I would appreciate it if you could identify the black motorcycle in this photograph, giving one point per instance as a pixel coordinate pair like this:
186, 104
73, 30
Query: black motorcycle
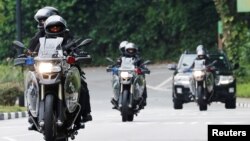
52, 87
129, 85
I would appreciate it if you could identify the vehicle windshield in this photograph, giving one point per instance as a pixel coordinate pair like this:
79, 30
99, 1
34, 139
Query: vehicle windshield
222, 63
186, 61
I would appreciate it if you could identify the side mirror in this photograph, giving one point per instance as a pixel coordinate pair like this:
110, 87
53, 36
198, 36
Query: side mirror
172, 66
109, 59
18, 45
146, 62
85, 42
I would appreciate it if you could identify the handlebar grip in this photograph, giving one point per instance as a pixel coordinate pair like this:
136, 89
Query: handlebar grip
108, 69
86, 59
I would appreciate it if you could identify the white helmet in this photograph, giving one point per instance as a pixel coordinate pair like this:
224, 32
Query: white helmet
122, 46
200, 51
131, 49
55, 25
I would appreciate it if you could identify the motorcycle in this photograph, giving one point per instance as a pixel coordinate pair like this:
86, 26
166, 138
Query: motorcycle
52, 86
202, 83
129, 85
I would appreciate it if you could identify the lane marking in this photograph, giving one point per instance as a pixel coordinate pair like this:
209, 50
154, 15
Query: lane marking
8, 138
158, 89
164, 82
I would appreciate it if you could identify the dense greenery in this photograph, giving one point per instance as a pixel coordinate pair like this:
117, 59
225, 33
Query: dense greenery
11, 83
161, 28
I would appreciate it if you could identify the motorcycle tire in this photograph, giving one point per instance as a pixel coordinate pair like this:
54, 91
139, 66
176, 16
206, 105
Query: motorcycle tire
49, 119
65, 139
201, 102
126, 116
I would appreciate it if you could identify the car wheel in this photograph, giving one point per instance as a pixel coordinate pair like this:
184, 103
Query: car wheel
177, 104
230, 103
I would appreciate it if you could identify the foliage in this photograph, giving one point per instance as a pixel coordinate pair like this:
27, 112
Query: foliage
9, 93
4, 109
243, 90
11, 83
235, 34
162, 29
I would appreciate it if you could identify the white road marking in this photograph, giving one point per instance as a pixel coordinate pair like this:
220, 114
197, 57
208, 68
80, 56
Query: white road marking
164, 82
8, 139
158, 89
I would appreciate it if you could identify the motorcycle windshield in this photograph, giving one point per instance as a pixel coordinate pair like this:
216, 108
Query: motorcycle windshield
199, 65
127, 64
50, 47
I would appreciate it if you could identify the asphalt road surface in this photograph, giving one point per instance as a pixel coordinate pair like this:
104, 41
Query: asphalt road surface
157, 122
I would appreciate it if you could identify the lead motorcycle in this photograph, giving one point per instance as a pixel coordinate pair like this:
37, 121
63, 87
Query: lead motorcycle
202, 83
52, 87
129, 86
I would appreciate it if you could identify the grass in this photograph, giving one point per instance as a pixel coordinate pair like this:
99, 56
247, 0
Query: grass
12, 109
243, 90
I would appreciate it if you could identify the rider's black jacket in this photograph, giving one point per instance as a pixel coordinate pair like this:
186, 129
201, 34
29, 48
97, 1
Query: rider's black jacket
34, 42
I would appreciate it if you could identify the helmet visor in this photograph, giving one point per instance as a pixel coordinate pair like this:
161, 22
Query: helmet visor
55, 29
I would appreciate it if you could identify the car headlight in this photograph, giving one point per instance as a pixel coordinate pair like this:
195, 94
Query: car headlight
184, 80
225, 79
48, 68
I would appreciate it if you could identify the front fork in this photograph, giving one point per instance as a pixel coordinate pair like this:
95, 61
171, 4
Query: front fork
130, 96
203, 83
59, 106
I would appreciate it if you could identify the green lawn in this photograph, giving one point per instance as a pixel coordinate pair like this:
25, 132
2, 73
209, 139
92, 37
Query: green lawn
12, 109
243, 90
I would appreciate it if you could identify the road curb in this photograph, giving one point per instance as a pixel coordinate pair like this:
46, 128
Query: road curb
13, 115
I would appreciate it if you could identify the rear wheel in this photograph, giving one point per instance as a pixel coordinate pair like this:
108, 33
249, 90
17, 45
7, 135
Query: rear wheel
201, 101
177, 104
49, 119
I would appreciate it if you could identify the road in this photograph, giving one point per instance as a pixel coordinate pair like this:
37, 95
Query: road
157, 122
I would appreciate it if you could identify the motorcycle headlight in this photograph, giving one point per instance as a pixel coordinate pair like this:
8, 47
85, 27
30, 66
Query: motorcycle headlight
48, 68
199, 75
225, 79
124, 74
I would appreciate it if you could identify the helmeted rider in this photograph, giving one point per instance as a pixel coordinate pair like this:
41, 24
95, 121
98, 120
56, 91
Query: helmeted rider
201, 55
122, 47
55, 26
41, 16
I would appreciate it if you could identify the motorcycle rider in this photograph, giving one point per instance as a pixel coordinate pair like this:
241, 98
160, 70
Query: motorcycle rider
201, 55
41, 17
122, 47
55, 26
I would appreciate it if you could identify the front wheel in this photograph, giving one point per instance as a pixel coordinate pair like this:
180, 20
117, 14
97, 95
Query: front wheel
64, 139
201, 101
125, 111
49, 119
